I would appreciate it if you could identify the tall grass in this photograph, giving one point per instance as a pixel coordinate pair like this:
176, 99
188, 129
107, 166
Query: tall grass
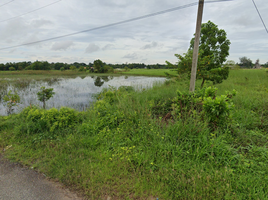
122, 149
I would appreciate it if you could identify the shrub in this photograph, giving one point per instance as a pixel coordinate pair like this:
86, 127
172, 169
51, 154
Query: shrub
50, 122
11, 100
203, 103
45, 94
217, 108
126, 69
81, 69
72, 68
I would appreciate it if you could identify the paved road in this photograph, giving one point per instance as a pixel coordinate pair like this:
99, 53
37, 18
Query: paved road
19, 183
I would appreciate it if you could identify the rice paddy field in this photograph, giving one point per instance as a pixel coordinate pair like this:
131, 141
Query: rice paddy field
76, 92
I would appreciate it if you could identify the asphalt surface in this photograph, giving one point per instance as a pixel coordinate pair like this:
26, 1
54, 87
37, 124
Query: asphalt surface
20, 183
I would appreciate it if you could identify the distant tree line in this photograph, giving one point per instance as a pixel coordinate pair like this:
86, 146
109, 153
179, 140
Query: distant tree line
247, 63
97, 64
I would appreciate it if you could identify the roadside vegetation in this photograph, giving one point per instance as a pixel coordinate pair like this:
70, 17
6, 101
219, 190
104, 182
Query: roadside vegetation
157, 143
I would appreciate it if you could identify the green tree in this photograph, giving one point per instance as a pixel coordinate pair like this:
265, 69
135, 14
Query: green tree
39, 65
265, 65
98, 66
73, 68
213, 51
126, 69
245, 62
11, 100
45, 94
81, 69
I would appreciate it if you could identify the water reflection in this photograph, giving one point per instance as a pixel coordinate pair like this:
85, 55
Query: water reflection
51, 81
98, 82
72, 92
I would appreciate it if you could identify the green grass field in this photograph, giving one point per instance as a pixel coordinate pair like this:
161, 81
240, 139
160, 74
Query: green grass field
148, 72
134, 145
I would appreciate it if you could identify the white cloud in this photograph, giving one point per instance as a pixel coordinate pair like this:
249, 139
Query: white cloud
160, 37
63, 45
150, 46
107, 47
40, 22
131, 56
92, 48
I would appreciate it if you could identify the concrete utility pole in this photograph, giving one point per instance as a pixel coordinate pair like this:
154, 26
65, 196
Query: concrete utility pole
196, 44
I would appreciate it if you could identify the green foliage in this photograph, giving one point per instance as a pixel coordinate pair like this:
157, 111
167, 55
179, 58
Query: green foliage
73, 68
111, 94
45, 94
217, 108
245, 62
108, 69
47, 123
98, 66
12, 69
126, 69
11, 100
62, 69
202, 104
81, 69
214, 43
204, 69
38, 65
213, 51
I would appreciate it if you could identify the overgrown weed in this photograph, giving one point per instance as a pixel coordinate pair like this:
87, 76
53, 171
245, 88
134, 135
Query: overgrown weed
121, 148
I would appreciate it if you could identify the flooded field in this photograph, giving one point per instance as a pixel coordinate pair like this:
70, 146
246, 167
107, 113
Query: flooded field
76, 92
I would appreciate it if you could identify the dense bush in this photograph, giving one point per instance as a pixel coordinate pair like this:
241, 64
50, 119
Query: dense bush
203, 104
49, 123
11, 100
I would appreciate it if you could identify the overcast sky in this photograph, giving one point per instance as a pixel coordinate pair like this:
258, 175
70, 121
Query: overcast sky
151, 40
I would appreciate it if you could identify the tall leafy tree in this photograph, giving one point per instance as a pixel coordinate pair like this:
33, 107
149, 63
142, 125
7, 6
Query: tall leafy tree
213, 51
245, 62
99, 66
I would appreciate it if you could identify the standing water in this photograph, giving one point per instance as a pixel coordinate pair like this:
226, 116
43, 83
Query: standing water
70, 92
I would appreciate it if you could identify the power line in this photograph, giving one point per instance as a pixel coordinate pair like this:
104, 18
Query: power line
260, 15
6, 3
30, 11
113, 24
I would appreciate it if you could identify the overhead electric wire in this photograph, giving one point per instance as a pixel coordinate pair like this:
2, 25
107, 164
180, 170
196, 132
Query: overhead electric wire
113, 24
30, 11
260, 16
6, 3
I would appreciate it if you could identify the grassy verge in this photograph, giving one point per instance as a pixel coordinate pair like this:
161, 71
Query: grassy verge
124, 149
